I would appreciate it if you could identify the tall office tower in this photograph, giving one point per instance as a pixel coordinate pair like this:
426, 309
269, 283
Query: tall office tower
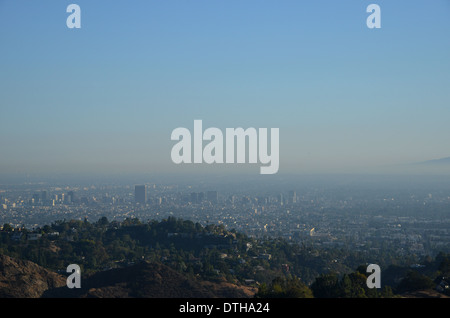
292, 197
44, 196
194, 197
280, 199
71, 196
140, 194
212, 196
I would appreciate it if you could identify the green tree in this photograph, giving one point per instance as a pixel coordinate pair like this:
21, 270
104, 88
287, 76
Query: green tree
326, 286
358, 285
284, 288
414, 281
103, 221
7, 227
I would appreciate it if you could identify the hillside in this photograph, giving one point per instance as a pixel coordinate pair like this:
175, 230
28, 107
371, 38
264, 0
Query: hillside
25, 279
428, 293
182, 259
149, 280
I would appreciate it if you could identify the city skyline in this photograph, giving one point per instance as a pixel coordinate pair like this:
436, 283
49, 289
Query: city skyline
105, 98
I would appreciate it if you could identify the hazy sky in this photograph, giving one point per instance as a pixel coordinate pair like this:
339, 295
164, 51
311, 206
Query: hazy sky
107, 96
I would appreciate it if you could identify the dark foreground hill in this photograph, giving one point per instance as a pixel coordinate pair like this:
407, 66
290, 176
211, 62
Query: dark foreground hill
24, 279
429, 293
148, 280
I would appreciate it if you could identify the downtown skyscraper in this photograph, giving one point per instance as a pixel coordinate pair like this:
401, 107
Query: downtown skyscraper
140, 194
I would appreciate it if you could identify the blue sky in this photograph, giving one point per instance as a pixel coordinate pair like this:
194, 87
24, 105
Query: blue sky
107, 96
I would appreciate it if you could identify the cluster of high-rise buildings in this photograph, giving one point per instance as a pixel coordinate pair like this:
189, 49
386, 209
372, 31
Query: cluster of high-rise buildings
140, 196
42, 198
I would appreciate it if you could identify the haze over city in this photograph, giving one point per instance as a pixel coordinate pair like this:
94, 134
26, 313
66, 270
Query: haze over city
105, 98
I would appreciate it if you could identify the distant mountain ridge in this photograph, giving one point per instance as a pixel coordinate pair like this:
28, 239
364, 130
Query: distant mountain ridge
441, 161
